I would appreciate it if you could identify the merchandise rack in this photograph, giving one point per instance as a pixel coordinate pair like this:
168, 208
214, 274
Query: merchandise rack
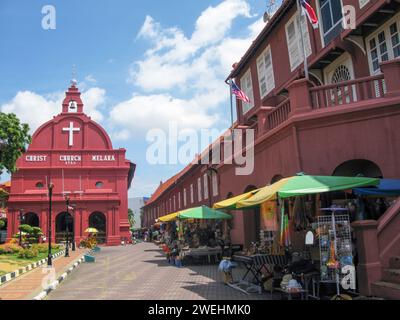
336, 228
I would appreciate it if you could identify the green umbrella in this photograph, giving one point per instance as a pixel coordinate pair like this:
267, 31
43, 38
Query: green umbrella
306, 184
203, 212
302, 184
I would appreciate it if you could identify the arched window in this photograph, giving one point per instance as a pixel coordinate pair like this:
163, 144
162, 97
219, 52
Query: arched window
99, 184
39, 185
358, 167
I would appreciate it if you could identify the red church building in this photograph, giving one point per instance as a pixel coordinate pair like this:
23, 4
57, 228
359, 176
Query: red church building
76, 155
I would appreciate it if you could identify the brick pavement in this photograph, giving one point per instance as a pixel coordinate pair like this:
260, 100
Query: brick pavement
141, 272
28, 285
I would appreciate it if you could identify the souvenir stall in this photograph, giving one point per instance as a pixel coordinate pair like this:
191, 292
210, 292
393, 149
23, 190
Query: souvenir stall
290, 212
200, 236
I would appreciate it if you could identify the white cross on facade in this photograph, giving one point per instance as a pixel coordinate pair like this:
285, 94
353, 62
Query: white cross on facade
71, 131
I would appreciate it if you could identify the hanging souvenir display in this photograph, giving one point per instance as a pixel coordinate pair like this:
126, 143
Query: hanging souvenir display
332, 262
285, 232
334, 237
268, 216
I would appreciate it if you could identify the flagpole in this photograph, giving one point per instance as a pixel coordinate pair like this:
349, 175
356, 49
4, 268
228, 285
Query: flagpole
230, 96
302, 39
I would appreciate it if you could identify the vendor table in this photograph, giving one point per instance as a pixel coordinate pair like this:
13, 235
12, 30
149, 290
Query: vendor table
202, 252
255, 263
313, 279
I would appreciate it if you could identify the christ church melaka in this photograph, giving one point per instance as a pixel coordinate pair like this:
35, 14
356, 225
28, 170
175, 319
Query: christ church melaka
75, 154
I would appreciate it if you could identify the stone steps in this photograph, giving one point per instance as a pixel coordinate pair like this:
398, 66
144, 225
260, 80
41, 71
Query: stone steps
391, 275
387, 290
394, 262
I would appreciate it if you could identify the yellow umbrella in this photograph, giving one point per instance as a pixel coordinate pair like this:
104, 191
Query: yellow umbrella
91, 230
169, 217
231, 203
266, 193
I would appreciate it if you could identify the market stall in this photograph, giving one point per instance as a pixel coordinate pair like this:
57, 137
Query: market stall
199, 236
289, 209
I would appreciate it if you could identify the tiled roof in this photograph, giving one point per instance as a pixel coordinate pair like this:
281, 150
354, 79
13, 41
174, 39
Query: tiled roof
165, 185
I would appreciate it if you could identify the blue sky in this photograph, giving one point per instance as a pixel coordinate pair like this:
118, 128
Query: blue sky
140, 65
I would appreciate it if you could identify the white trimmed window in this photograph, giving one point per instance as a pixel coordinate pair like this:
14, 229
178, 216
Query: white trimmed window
331, 19
383, 44
191, 193
199, 194
294, 41
362, 3
184, 197
205, 182
246, 85
214, 179
179, 200
174, 203
265, 72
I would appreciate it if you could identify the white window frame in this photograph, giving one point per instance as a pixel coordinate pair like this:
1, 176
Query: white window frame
388, 39
265, 73
184, 197
321, 26
199, 194
362, 3
205, 182
214, 179
179, 200
247, 106
297, 59
191, 193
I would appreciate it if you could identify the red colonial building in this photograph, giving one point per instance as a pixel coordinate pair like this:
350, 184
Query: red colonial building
342, 120
75, 154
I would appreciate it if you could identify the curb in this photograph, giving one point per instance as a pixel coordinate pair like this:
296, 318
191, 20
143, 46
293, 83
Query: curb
12, 275
61, 278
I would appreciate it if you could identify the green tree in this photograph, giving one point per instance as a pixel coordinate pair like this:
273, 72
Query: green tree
131, 217
14, 137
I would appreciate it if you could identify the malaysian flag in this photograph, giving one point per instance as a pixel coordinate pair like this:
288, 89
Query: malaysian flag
239, 93
309, 11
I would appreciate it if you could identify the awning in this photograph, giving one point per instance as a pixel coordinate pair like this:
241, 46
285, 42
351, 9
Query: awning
306, 184
203, 212
231, 203
169, 217
266, 193
385, 188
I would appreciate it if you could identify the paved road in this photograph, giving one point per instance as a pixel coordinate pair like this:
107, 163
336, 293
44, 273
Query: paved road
141, 272
28, 285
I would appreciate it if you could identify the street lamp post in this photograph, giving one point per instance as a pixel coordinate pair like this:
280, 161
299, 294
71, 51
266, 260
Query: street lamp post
67, 221
21, 218
73, 226
50, 188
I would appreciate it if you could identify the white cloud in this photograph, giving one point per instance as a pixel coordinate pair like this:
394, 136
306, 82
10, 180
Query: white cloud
93, 99
181, 77
89, 78
44, 107
27, 103
142, 112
